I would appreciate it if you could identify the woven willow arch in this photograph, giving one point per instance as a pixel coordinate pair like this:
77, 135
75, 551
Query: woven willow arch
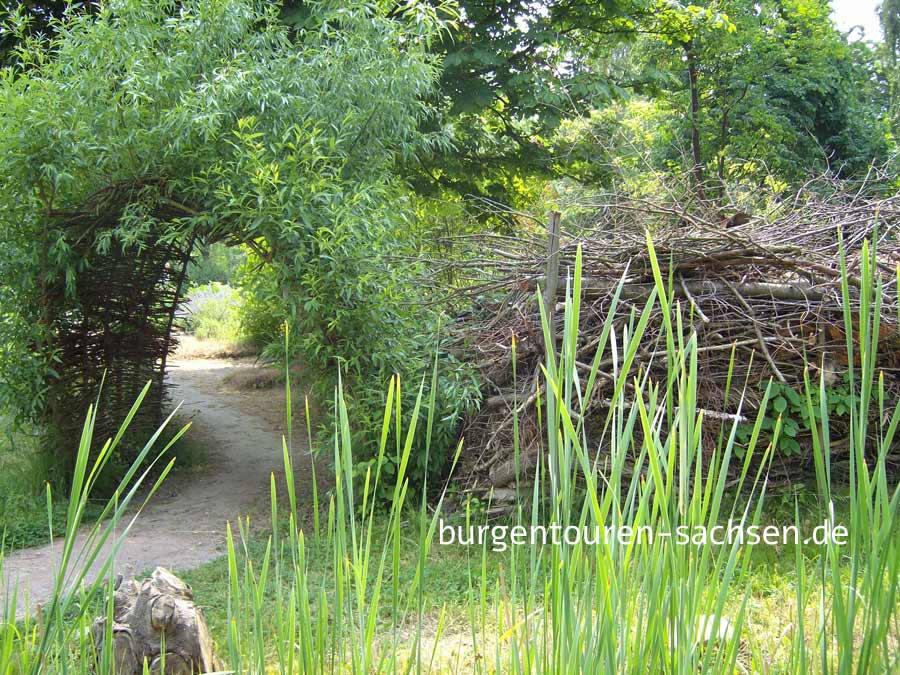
111, 321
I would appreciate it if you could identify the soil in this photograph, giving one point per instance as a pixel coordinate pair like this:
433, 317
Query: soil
183, 525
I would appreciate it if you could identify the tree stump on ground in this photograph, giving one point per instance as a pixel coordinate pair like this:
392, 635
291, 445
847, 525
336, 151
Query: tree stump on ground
147, 613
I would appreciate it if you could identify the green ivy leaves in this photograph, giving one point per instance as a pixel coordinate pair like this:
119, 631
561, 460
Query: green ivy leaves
790, 405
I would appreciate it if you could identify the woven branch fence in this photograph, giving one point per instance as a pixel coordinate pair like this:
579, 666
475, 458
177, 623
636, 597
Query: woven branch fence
111, 320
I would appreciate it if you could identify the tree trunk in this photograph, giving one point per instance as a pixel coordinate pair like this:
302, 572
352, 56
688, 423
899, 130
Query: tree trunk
145, 613
696, 153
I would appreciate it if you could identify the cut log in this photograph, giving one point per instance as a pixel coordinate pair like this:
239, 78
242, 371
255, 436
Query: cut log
147, 612
504, 473
794, 292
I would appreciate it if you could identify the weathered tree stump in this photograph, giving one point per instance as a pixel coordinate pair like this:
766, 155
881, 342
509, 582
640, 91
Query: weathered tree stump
147, 613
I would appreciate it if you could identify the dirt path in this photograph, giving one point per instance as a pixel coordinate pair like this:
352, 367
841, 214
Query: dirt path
183, 526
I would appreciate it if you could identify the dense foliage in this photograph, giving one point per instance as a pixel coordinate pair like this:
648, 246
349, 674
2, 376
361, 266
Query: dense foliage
730, 90
283, 140
357, 169
216, 263
333, 142
781, 93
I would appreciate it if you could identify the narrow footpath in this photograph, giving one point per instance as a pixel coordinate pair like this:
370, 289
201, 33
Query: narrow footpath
183, 525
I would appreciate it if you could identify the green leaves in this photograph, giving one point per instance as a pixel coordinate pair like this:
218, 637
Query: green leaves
788, 405
285, 140
781, 92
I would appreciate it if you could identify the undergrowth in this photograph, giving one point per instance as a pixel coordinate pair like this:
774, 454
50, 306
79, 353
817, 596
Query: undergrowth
25, 472
361, 590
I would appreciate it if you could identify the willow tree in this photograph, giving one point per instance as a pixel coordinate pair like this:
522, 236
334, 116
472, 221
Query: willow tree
210, 120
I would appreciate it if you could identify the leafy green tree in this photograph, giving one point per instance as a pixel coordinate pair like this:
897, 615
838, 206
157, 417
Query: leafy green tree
513, 71
889, 14
736, 92
780, 92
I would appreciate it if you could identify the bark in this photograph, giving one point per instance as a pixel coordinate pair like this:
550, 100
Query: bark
795, 292
696, 153
504, 473
145, 613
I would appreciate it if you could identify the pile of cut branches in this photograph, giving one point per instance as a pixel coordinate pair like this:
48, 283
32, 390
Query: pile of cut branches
767, 290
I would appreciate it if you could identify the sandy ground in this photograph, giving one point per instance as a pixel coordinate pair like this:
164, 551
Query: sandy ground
183, 525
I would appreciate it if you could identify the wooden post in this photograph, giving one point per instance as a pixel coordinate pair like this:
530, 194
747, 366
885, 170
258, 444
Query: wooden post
551, 278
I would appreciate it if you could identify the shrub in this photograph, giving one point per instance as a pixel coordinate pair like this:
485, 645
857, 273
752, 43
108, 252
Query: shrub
356, 310
261, 310
217, 121
213, 312
786, 409
217, 262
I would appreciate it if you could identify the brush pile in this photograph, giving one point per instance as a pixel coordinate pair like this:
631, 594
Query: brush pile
766, 288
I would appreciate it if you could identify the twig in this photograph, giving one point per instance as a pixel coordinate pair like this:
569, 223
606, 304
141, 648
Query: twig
694, 303
759, 335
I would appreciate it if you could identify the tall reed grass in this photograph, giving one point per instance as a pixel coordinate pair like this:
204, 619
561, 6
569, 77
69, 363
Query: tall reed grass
607, 607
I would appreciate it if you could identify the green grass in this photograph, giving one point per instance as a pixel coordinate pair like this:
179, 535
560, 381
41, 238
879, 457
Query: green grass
369, 591
24, 474
447, 570
451, 587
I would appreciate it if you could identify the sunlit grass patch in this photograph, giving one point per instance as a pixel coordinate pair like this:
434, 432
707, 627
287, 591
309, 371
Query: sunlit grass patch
191, 347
